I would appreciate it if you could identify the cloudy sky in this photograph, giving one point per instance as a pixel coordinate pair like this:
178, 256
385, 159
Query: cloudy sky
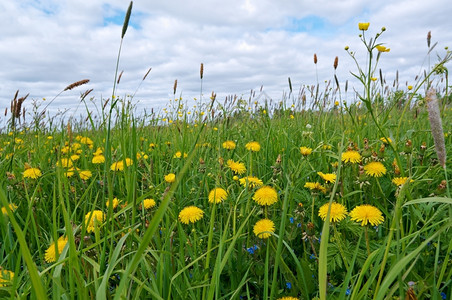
46, 45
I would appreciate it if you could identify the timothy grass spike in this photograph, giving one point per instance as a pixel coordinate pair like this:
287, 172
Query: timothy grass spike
126, 20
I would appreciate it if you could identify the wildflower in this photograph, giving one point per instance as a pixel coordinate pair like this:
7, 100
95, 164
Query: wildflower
305, 151
33, 173
119, 165
337, 212
86, 141
235, 177
229, 145
367, 214
315, 186
236, 167
351, 156
50, 255
92, 219
328, 177
398, 181
375, 169
250, 181
178, 154
12, 207
65, 163
382, 48
363, 26
190, 214
252, 249
253, 146
217, 195
114, 203
336, 103
171, 177
148, 203
266, 195
386, 141
98, 159
6, 277
264, 228
85, 175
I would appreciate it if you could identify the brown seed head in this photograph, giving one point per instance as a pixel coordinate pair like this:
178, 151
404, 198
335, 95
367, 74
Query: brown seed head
201, 70
336, 61
175, 87
315, 58
76, 84
429, 38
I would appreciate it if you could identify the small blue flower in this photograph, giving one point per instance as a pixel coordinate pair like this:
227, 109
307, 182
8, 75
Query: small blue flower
312, 256
291, 220
443, 295
288, 285
299, 225
250, 250
348, 292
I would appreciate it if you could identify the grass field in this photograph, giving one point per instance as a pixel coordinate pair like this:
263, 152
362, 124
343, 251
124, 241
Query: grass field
307, 198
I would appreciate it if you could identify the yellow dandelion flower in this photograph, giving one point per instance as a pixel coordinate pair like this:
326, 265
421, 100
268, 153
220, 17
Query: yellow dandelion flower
250, 181
315, 187
114, 201
51, 254
264, 228
12, 207
98, 151
6, 277
398, 181
363, 26
253, 146
229, 145
367, 214
190, 214
351, 156
33, 173
178, 154
171, 177
266, 195
386, 141
236, 167
94, 218
65, 163
85, 175
86, 141
287, 298
217, 195
75, 157
305, 151
382, 48
328, 177
375, 169
148, 203
98, 159
338, 212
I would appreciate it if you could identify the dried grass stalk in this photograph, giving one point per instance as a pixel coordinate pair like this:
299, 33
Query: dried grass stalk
76, 84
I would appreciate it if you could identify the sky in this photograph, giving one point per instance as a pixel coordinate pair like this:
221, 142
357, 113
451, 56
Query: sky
244, 45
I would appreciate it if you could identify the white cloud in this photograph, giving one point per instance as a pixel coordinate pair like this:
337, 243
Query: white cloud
46, 45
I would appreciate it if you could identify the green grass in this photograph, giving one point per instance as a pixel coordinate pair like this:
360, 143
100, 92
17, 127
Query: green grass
141, 253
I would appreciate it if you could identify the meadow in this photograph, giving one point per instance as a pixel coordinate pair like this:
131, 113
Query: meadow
307, 197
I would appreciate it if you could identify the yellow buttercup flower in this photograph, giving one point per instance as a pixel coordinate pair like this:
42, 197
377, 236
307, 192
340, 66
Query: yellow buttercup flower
253, 146
51, 254
367, 214
375, 169
338, 212
363, 26
305, 151
217, 195
171, 177
382, 48
190, 214
264, 228
266, 195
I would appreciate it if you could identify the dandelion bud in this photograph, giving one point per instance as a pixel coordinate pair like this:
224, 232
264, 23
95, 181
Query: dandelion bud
336, 61
315, 58
436, 125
